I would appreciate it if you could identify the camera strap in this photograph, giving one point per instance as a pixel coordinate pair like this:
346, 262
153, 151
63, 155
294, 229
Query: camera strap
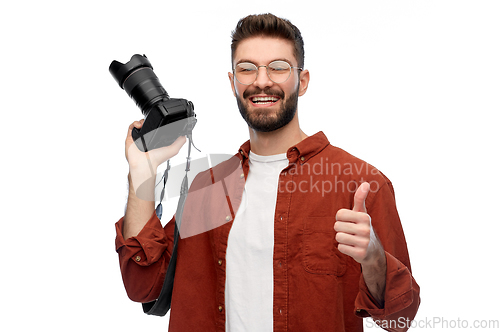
161, 305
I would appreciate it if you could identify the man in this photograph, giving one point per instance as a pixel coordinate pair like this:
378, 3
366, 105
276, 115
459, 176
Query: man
316, 242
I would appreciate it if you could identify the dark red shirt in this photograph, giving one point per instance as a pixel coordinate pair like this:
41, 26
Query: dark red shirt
316, 288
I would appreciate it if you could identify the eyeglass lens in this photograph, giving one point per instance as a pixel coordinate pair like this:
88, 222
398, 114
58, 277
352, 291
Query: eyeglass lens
278, 71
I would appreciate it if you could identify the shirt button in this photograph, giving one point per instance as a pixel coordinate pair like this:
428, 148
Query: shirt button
302, 158
228, 218
220, 308
242, 153
220, 262
242, 175
137, 258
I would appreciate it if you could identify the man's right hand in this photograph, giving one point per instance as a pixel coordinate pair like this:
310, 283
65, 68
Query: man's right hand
143, 165
143, 161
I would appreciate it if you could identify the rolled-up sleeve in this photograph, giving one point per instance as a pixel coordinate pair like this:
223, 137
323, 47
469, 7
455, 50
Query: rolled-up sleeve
144, 258
402, 298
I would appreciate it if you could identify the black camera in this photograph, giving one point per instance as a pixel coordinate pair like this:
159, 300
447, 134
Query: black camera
165, 118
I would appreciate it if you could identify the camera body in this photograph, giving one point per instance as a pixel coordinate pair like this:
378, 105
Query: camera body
165, 118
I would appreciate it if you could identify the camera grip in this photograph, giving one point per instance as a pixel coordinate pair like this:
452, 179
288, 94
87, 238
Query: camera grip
139, 140
136, 134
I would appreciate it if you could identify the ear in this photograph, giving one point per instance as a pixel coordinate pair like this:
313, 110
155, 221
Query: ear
304, 82
231, 80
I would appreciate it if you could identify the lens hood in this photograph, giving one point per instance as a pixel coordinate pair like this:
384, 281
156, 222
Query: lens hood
121, 72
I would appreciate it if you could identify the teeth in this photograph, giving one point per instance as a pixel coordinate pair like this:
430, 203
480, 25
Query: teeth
264, 99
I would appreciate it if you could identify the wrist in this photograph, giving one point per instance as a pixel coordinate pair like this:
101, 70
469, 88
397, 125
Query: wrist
142, 184
376, 257
377, 262
142, 170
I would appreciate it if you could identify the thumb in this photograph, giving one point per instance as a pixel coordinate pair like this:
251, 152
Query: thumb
360, 197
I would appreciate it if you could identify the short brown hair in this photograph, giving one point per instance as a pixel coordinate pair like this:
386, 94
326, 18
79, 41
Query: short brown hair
268, 25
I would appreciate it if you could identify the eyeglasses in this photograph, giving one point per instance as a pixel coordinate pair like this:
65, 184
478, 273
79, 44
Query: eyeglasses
278, 71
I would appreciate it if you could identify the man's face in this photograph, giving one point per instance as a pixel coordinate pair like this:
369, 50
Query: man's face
267, 106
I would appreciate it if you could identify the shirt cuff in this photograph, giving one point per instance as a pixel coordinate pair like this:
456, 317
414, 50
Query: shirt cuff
400, 292
147, 247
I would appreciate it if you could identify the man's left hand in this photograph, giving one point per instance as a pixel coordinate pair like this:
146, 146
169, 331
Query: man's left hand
355, 234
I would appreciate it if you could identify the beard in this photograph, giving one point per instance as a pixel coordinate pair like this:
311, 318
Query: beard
261, 119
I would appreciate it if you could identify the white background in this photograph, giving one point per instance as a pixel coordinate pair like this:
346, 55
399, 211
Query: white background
412, 87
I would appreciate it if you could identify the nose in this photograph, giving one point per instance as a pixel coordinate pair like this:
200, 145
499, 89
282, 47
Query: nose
263, 80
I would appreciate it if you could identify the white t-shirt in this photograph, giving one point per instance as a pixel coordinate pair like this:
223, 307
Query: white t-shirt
249, 255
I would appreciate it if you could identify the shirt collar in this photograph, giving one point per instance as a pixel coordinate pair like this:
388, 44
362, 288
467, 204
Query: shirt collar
300, 152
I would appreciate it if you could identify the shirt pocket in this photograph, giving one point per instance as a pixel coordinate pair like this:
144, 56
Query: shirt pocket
319, 247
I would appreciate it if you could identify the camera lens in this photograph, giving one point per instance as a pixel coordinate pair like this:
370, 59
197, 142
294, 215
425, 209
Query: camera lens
137, 78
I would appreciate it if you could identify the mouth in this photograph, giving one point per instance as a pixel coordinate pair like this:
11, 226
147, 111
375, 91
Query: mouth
263, 101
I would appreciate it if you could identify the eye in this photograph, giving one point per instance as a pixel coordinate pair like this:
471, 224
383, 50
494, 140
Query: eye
279, 66
245, 68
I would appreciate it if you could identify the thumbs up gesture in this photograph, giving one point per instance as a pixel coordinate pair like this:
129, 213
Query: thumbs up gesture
355, 234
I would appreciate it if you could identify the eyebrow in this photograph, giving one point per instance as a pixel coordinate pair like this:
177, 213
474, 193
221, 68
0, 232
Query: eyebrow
279, 59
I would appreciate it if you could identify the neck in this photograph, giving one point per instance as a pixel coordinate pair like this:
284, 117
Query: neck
278, 141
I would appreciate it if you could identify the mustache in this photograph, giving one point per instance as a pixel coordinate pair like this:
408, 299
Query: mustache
268, 91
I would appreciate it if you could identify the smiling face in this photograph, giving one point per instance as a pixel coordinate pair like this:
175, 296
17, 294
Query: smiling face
265, 105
